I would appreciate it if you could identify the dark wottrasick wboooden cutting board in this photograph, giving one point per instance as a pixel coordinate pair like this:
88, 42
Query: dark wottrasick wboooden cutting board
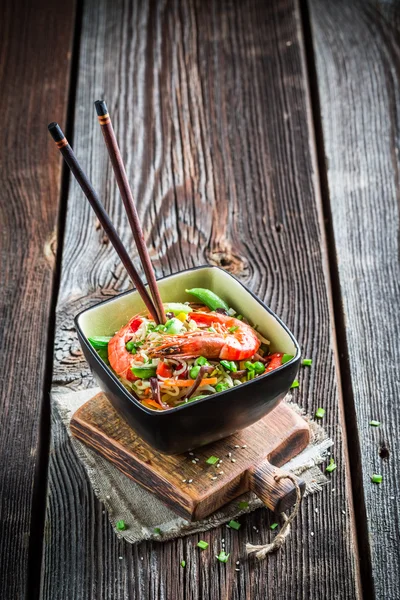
196, 489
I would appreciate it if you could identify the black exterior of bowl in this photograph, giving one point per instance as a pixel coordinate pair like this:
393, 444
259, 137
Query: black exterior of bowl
196, 423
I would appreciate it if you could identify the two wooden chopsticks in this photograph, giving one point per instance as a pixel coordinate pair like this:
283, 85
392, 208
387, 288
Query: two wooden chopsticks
153, 304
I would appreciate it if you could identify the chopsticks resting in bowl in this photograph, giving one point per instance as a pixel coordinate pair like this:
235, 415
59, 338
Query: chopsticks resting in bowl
90, 193
130, 208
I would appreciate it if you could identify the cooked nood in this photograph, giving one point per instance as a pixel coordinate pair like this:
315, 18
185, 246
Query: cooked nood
203, 348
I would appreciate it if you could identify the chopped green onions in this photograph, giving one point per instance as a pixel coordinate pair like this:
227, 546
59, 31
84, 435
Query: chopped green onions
374, 423
243, 504
221, 387
160, 327
239, 317
259, 367
319, 413
194, 371
183, 564
286, 358
157, 530
375, 478
331, 467
295, 384
212, 460
233, 329
120, 525
201, 360
234, 525
212, 329
230, 365
307, 362
203, 545
222, 556
273, 526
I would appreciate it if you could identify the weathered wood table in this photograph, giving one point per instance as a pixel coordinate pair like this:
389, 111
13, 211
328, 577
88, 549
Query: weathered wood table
259, 136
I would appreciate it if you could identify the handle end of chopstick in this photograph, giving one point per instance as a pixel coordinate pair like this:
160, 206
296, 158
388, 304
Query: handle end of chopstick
57, 135
102, 112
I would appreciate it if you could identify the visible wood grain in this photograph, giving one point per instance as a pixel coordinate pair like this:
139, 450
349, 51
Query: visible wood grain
210, 104
278, 437
357, 49
34, 74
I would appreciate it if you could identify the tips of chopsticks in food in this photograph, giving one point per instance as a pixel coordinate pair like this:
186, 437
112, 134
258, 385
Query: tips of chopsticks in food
130, 208
90, 193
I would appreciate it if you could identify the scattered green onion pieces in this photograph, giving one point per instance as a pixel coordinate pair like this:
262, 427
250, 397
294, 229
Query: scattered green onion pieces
201, 360
307, 362
221, 387
331, 467
273, 526
99, 341
208, 298
243, 504
248, 365
222, 556
212, 329
375, 478
157, 530
120, 525
183, 563
295, 384
234, 525
233, 329
161, 327
239, 317
194, 371
319, 413
230, 365
212, 460
144, 372
203, 545
375, 423
286, 358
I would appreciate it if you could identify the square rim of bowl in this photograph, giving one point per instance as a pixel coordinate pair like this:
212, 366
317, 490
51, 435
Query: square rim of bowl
158, 413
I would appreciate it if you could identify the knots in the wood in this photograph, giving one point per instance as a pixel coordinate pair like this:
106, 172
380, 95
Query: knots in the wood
261, 551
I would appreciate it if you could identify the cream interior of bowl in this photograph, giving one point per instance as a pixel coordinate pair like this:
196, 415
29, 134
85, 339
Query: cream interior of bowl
107, 318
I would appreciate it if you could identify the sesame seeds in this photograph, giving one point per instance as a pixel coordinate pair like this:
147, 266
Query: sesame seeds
233, 460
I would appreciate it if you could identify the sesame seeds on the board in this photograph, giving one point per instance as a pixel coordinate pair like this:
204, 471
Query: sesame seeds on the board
191, 453
233, 460
194, 462
229, 454
183, 480
236, 446
190, 481
245, 446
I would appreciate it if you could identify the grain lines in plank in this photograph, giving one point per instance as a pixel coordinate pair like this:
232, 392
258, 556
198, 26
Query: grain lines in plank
209, 103
357, 52
34, 73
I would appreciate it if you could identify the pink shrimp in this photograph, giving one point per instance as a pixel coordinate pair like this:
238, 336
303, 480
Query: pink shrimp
231, 340
120, 359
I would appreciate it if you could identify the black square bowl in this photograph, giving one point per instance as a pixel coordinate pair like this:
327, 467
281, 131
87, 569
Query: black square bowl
217, 416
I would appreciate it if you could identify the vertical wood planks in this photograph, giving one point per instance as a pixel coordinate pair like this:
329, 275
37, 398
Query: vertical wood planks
35, 49
357, 50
